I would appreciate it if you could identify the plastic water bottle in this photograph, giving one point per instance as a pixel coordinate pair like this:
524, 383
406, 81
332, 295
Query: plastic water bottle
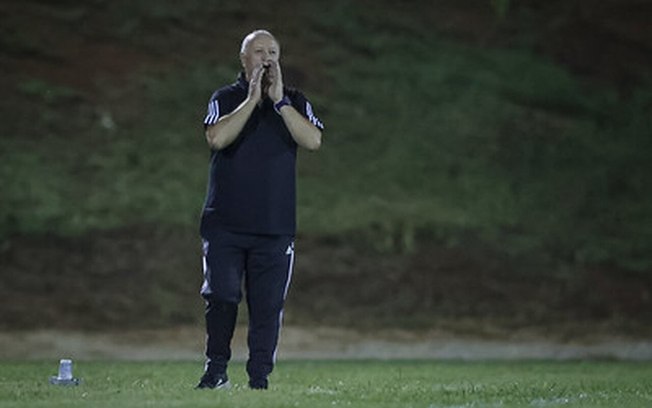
65, 374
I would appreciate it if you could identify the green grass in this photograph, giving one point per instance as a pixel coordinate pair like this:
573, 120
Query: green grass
426, 384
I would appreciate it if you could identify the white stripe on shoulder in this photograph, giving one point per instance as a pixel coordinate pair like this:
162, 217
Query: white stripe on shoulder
213, 113
312, 118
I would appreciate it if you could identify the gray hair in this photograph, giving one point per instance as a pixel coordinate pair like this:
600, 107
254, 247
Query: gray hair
250, 37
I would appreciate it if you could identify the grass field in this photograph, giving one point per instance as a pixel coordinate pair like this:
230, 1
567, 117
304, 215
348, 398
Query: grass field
426, 384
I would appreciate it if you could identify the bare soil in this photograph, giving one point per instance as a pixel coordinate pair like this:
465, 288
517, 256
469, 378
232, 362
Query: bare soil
186, 343
149, 277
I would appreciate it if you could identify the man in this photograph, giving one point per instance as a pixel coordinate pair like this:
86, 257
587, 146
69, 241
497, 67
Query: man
253, 127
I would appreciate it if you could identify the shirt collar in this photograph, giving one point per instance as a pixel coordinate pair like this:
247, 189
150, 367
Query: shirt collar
242, 81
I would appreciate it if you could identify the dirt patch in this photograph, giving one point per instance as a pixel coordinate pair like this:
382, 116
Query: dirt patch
55, 45
149, 277
79, 45
608, 42
186, 343
468, 288
140, 277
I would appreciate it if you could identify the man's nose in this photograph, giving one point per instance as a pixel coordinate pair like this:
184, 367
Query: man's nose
268, 56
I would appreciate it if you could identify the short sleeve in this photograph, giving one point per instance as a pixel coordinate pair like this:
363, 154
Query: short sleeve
301, 103
213, 112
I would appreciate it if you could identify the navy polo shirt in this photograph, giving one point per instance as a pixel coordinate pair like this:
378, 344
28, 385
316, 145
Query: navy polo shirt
251, 182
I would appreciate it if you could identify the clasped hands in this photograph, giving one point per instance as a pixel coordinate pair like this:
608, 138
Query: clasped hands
266, 80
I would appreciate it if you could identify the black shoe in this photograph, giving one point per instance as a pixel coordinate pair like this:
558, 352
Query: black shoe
213, 381
260, 384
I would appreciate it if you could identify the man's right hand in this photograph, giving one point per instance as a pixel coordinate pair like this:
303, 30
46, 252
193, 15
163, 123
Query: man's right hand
255, 84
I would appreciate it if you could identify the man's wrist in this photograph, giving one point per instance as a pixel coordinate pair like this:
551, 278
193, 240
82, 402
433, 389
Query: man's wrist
283, 102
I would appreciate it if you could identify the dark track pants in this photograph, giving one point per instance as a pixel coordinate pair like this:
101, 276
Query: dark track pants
265, 264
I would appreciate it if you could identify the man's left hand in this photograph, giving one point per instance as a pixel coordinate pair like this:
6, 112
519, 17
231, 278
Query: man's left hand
275, 90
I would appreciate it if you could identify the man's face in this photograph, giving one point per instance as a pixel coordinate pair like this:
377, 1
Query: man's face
263, 49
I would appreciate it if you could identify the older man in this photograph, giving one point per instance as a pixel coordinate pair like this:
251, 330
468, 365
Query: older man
253, 128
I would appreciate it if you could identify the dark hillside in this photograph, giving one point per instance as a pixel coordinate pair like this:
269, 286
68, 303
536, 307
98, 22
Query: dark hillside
484, 168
